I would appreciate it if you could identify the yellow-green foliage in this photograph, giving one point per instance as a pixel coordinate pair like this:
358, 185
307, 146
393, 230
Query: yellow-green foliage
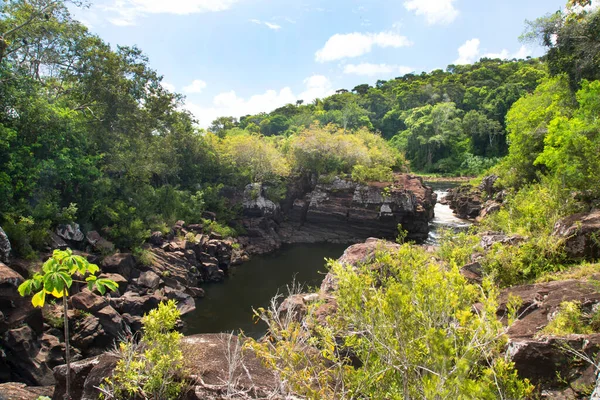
255, 155
153, 368
410, 322
568, 320
331, 150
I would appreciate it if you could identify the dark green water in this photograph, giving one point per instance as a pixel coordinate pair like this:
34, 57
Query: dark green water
228, 306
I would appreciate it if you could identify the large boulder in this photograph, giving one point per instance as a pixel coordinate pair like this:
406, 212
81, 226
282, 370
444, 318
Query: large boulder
71, 233
122, 264
20, 391
5, 247
256, 203
465, 200
15, 310
581, 235
29, 358
219, 360
99, 243
86, 377
88, 301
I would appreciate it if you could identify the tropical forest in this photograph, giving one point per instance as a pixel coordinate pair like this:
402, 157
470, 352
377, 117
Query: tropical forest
425, 235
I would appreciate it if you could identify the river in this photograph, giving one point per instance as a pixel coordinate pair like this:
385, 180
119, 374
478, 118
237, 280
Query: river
227, 307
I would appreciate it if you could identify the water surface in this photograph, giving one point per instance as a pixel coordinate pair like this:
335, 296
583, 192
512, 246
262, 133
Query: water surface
444, 217
228, 306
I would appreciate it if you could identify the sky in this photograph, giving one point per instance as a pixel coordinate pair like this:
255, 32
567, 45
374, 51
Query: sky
239, 57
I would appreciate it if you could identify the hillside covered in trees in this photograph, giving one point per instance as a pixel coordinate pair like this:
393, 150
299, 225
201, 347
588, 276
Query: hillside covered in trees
89, 133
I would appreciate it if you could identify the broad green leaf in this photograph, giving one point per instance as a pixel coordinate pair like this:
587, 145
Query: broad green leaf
26, 287
93, 268
111, 285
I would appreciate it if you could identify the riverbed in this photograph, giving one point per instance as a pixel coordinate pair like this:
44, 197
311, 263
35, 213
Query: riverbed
228, 306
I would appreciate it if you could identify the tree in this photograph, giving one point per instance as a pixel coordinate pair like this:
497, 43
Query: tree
222, 124
56, 280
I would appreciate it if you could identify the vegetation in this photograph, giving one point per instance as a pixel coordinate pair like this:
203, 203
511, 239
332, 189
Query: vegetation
404, 328
152, 368
56, 279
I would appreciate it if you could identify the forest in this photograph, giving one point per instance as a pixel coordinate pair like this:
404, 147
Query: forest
90, 134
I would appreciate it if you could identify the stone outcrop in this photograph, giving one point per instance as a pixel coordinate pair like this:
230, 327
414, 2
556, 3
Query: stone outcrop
5, 247
340, 211
548, 361
20, 391
475, 202
581, 235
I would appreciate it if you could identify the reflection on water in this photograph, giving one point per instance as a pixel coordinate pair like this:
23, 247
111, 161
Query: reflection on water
444, 217
228, 306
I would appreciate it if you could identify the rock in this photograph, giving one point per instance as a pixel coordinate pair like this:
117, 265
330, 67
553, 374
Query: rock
111, 322
473, 272
134, 304
20, 391
296, 306
56, 242
99, 243
212, 273
488, 239
133, 321
118, 279
156, 239
122, 264
185, 302
219, 359
256, 204
5, 247
70, 232
16, 310
215, 236
541, 300
465, 200
580, 233
149, 279
86, 375
174, 268
547, 363
489, 207
179, 226
85, 332
27, 359
195, 292
88, 301
198, 228
487, 185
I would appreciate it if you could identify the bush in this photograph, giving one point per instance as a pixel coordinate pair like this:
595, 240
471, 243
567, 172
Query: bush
153, 367
408, 323
568, 320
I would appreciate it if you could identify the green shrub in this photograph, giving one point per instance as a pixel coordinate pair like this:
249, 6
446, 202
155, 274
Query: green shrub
568, 320
214, 226
378, 173
408, 322
152, 368
144, 256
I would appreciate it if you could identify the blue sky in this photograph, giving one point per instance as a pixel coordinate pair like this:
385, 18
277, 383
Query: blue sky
237, 57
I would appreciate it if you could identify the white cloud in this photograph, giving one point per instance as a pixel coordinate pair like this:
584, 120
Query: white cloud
170, 87
275, 27
434, 11
469, 53
269, 25
368, 69
230, 104
129, 10
349, 45
197, 86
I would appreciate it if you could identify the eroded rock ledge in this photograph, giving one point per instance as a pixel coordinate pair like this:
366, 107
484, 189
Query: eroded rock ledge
339, 211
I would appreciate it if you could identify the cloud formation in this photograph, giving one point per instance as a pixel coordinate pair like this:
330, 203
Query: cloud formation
368, 69
127, 11
350, 45
434, 11
269, 25
230, 104
470, 52
197, 86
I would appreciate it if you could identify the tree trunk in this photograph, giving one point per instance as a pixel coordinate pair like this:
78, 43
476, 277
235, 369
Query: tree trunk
67, 347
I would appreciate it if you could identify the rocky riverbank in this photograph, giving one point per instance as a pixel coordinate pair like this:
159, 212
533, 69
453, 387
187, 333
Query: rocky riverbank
338, 211
175, 265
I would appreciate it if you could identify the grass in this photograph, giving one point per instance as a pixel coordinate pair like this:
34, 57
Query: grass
582, 271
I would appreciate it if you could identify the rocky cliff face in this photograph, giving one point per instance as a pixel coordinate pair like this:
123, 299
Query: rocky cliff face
340, 211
